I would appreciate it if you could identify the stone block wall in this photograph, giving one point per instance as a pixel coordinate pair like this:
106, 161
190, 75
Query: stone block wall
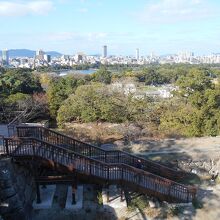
17, 191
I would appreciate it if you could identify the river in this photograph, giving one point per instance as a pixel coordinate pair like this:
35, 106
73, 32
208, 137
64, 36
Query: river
66, 72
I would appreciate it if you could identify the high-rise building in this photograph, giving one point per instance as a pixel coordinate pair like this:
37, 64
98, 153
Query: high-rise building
5, 57
40, 54
47, 58
137, 54
104, 51
78, 57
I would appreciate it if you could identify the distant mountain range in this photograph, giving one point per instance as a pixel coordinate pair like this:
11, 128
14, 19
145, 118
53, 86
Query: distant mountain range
29, 53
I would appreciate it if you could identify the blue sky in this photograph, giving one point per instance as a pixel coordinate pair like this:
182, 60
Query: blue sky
70, 26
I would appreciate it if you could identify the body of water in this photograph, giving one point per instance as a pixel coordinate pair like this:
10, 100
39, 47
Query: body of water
66, 72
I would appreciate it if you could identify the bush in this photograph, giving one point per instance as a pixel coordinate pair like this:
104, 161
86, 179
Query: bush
99, 198
140, 202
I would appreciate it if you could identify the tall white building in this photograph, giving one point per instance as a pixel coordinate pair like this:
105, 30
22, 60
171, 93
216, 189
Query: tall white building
40, 54
5, 57
137, 54
47, 58
185, 56
104, 51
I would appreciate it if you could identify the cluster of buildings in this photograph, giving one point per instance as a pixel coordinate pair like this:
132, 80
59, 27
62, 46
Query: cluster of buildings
190, 58
164, 91
42, 59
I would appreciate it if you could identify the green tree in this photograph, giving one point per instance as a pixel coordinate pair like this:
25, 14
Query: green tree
98, 102
17, 86
19, 81
83, 105
17, 100
195, 81
179, 119
152, 77
196, 112
59, 90
102, 75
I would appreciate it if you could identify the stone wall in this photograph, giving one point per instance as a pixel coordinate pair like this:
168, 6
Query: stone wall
17, 191
201, 167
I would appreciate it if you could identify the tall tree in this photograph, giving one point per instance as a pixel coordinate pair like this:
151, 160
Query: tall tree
59, 90
19, 80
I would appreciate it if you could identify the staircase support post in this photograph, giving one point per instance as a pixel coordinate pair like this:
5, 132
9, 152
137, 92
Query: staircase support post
74, 189
38, 192
122, 196
108, 195
6, 146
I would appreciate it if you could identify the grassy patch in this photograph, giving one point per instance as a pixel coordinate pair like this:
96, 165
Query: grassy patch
140, 202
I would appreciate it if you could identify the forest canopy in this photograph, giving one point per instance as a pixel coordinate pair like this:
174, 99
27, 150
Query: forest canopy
191, 110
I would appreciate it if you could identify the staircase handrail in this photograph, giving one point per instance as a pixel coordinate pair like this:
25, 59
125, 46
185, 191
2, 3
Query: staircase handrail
13, 146
156, 167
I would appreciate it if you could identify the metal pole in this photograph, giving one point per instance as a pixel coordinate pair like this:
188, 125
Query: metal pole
38, 192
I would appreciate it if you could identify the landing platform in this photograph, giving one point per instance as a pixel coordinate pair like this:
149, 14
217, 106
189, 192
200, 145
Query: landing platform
114, 198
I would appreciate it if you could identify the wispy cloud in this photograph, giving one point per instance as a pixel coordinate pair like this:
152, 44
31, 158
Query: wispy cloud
172, 11
22, 8
75, 36
83, 10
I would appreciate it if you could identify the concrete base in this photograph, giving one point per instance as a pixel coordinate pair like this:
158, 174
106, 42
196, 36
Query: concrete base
46, 195
114, 198
79, 198
2, 150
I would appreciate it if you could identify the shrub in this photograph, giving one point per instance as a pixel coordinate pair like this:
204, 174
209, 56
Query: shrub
140, 202
99, 198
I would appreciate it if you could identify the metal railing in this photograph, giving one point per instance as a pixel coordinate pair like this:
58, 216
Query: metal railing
2, 145
142, 181
113, 156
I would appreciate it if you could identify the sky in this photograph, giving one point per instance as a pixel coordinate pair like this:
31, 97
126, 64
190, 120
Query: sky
71, 26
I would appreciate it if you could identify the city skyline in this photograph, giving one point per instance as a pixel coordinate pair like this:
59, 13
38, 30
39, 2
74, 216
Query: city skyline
162, 26
102, 52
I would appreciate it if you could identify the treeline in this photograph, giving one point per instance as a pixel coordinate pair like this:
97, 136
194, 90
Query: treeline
21, 92
162, 74
192, 111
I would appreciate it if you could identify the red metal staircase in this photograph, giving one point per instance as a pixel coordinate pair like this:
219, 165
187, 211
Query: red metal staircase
96, 164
